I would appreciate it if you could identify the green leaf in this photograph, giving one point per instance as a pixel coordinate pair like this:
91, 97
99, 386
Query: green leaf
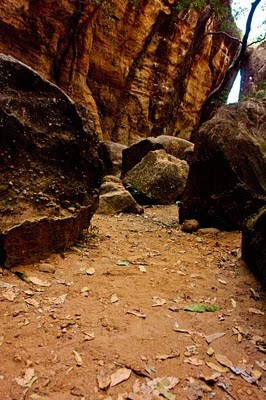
22, 276
198, 239
164, 392
201, 308
122, 263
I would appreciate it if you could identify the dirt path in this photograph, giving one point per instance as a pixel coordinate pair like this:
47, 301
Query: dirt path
106, 316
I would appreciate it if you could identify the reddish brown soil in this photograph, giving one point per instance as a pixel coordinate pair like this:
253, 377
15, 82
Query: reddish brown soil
43, 335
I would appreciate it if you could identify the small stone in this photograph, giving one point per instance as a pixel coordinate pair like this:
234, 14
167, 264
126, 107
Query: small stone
190, 225
49, 268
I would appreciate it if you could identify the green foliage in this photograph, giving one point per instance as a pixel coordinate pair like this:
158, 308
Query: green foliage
222, 13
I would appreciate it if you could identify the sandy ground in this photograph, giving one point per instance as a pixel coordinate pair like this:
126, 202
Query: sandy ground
95, 317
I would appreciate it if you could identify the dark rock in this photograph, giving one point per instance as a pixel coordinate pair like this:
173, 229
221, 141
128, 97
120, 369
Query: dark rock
227, 177
115, 199
111, 155
159, 178
133, 154
190, 225
49, 164
254, 244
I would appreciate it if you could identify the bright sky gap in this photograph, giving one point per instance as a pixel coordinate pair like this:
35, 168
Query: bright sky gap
257, 28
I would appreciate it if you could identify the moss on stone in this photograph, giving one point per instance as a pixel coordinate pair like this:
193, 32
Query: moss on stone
254, 218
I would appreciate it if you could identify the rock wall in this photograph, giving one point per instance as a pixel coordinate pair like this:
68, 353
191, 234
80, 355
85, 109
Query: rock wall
141, 68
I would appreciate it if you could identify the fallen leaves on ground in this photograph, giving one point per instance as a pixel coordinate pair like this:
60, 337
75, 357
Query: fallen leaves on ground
193, 361
164, 357
78, 358
214, 336
137, 313
122, 263
38, 282
103, 380
28, 379
158, 302
217, 368
223, 360
121, 375
200, 308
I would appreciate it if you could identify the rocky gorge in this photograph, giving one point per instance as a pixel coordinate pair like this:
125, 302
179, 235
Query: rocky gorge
106, 176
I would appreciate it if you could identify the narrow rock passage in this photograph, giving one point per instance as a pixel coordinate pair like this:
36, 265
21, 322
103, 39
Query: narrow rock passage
115, 301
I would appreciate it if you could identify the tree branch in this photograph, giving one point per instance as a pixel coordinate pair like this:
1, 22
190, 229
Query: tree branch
225, 34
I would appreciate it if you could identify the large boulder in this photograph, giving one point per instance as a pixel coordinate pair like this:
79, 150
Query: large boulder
254, 243
111, 155
50, 170
158, 178
133, 154
227, 177
115, 199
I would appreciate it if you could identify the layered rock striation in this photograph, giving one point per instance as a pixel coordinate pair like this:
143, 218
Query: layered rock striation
141, 68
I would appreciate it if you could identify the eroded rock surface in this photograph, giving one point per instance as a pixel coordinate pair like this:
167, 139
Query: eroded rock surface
50, 171
111, 155
140, 67
158, 178
227, 177
115, 199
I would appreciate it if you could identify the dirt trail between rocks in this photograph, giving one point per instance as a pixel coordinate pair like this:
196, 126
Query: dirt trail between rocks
95, 317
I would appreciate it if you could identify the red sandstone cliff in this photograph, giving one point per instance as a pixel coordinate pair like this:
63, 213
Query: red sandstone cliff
141, 70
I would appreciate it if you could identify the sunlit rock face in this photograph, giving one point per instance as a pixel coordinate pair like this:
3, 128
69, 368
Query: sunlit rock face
254, 72
140, 68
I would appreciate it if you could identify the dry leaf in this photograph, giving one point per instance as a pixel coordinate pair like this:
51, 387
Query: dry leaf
61, 299
222, 282
90, 271
260, 364
38, 282
114, 299
210, 351
164, 357
193, 361
103, 380
158, 302
89, 336
217, 367
121, 375
27, 380
194, 391
10, 294
78, 358
233, 303
32, 302
256, 311
223, 360
214, 336
210, 379
142, 268
136, 313
256, 374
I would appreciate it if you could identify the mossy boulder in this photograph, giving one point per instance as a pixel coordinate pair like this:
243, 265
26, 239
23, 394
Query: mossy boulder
254, 243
